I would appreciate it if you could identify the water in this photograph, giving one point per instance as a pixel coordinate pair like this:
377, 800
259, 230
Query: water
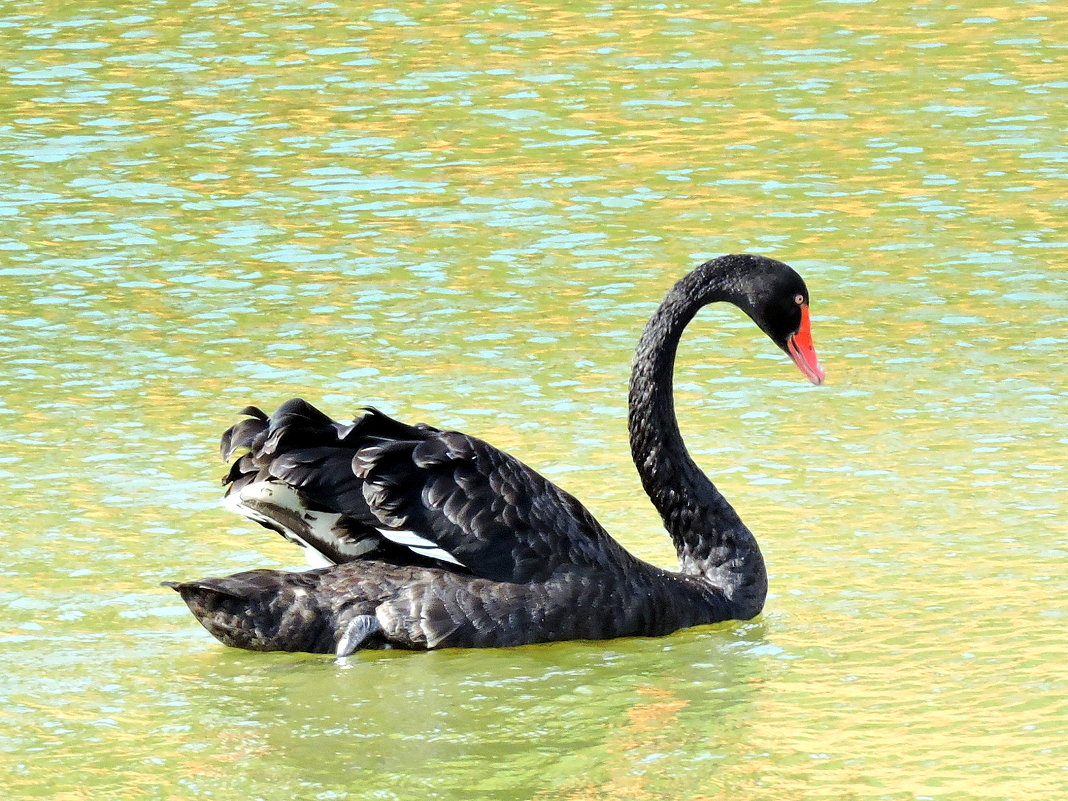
463, 213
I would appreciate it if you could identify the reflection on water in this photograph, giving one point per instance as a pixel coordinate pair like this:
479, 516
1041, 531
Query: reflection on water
463, 213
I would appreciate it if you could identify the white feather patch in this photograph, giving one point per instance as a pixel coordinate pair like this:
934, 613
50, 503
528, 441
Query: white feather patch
419, 545
285, 497
314, 559
321, 524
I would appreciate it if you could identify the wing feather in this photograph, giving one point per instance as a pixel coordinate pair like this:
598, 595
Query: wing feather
425, 496
496, 515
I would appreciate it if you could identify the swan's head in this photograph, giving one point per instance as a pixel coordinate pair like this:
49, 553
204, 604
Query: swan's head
776, 297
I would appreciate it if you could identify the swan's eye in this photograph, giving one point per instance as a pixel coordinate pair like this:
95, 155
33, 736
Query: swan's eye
799, 299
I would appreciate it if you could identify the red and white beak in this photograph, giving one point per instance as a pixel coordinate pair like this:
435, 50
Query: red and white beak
800, 348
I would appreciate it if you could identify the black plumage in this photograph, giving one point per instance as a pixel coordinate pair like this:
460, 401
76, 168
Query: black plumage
438, 539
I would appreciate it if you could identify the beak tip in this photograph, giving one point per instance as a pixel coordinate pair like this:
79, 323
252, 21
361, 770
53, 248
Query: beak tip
799, 348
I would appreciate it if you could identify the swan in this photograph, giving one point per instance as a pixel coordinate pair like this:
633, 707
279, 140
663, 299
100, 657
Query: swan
435, 539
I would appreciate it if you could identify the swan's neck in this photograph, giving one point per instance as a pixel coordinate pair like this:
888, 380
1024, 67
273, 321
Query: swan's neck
710, 538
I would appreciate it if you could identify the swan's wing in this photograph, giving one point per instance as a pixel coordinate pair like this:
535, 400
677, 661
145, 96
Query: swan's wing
295, 477
491, 512
381, 489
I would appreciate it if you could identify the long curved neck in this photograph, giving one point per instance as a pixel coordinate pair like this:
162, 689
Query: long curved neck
710, 538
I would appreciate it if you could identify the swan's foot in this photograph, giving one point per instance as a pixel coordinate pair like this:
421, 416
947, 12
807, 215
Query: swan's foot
356, 632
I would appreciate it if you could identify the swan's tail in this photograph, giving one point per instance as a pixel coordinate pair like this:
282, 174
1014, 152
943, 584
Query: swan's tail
274, 610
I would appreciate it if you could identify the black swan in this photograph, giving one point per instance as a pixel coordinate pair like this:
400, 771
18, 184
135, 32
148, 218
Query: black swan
435, 539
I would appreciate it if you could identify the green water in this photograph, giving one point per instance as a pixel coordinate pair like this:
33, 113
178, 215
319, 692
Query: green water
463, 212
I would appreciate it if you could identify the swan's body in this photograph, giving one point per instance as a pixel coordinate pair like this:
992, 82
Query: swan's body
437, 539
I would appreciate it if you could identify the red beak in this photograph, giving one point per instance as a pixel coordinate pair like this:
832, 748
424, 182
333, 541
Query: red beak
800, 348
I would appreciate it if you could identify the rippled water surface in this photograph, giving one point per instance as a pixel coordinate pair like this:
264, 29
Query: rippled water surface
464, 212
